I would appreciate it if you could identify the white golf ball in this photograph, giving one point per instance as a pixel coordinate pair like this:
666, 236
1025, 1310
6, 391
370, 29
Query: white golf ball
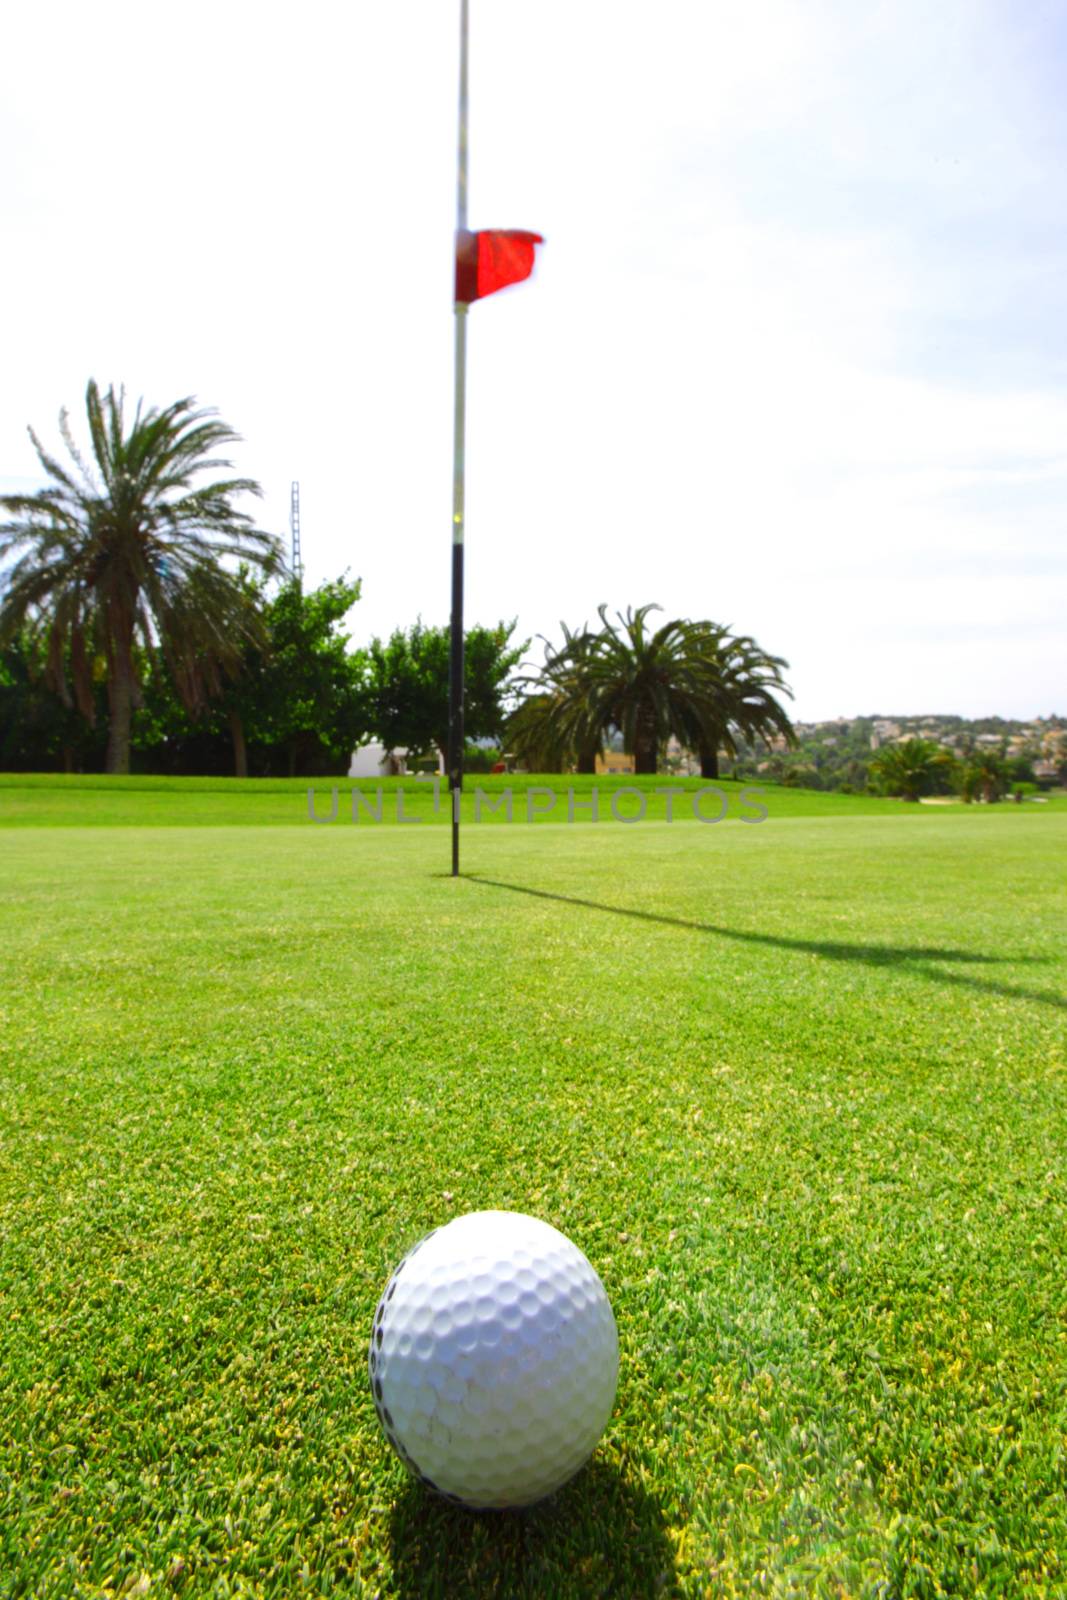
494, 1359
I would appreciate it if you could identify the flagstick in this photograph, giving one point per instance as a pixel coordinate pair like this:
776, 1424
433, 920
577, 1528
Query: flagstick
455, 685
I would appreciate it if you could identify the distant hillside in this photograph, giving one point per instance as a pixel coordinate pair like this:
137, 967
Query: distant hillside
837, 754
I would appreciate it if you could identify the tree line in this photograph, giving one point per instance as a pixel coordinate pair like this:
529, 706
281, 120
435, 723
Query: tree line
844, 757
915, 767
143, 611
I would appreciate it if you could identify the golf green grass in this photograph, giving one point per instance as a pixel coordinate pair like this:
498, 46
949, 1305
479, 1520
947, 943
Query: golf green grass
797, 1090
49, 800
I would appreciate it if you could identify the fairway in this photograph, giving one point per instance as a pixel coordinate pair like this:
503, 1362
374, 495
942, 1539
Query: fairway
796, 1089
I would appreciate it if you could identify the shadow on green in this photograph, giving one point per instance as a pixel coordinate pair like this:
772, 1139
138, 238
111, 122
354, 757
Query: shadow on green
600, 1535
911, 957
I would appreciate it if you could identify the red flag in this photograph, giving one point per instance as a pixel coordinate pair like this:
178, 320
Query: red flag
488, 261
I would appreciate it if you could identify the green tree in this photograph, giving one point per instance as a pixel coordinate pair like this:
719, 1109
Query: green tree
912, 768
985, 776
122, 553
303, 695
627, 676
480, 757
182, 733
167, 738
797, 775
1020, 768
691, 680
560, 725
38, 733
295, 703
533, 735
407, 686
743, 684
856, 776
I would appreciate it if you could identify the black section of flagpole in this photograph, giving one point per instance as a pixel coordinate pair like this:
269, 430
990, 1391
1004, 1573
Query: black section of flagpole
455, 703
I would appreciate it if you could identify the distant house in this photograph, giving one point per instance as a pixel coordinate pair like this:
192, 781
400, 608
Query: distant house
616, 761
375, 761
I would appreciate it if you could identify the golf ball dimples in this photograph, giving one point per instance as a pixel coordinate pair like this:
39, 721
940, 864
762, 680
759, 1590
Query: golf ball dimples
494, 1359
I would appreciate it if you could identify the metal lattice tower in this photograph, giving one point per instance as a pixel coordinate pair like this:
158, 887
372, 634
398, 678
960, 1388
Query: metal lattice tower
297, 562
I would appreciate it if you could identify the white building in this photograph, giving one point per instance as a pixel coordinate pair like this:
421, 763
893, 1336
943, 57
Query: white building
375, 761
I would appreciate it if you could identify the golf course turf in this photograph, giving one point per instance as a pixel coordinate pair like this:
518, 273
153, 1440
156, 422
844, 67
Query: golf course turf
797, 1090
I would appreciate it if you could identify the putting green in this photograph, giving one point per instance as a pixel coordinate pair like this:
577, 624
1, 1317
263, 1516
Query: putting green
797, 1090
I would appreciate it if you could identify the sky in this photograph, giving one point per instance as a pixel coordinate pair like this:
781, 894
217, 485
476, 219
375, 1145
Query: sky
793, 358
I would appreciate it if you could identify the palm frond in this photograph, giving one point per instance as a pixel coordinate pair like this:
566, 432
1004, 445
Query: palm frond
131, 546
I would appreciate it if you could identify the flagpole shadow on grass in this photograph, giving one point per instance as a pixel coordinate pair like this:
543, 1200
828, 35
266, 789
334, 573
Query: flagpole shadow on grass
911, 957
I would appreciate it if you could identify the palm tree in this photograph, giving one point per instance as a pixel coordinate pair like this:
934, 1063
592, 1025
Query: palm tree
533, 734
912, 768
690, 679
558, 722
121, 554
743, 683
985, 775
649, 684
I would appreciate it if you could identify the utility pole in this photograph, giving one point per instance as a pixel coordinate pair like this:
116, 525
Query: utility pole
296, 561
